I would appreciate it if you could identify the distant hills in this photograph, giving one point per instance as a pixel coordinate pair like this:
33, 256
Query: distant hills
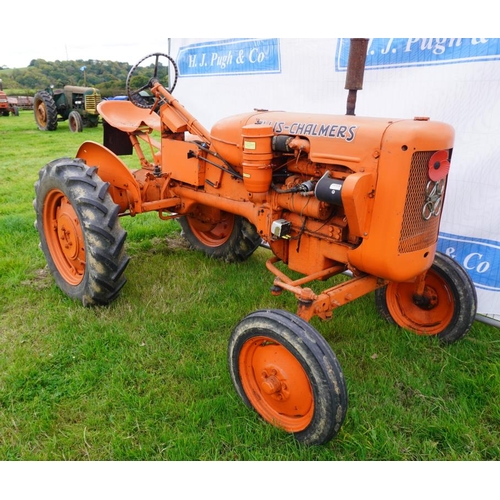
108, 76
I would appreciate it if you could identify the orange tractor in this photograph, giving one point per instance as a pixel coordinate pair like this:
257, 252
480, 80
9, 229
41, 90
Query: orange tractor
329, 195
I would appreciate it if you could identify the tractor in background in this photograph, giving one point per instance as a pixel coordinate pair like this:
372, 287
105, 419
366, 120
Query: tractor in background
6, 106
330, 195
77, 105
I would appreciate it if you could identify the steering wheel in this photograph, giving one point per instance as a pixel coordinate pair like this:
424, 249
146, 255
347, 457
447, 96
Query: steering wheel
161, 73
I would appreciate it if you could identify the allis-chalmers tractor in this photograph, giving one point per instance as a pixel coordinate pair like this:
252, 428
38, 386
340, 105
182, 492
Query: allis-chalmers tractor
330, 195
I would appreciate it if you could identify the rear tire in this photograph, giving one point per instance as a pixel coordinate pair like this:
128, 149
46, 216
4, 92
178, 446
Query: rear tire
80, 233
219, 234
45, 110
452, 302
284, 369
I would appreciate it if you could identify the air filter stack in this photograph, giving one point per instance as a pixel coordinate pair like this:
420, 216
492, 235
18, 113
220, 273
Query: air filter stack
257, 157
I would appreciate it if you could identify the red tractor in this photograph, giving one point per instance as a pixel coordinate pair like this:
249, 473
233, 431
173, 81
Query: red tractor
328, 194
6, 106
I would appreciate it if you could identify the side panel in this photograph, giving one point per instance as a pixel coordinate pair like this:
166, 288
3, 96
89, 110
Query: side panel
179, 159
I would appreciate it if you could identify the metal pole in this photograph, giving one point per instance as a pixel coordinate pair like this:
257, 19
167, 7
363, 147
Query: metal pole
355, 71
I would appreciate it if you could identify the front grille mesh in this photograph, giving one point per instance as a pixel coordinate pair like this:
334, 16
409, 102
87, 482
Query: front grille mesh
417, 233
91, 102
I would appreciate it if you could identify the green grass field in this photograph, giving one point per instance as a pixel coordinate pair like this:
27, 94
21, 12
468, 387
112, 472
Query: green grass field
146, 378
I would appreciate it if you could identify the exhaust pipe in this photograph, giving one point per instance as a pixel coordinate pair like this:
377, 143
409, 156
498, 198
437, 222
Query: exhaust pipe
355, 71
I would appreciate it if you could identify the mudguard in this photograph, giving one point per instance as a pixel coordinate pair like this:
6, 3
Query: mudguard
126, 190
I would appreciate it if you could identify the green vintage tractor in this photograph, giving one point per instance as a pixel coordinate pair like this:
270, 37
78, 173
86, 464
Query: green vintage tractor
78, 105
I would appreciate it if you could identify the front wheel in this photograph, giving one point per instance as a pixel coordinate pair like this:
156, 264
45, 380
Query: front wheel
79, 231
447, 309
283, 369
219, 234
75, 121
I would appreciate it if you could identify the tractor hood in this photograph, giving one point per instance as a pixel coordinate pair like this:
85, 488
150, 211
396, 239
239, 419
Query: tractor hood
331, 137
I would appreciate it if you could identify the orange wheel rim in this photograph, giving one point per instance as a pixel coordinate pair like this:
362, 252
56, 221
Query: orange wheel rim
41, 114
213, 234
276, 384
424, 321
64, 237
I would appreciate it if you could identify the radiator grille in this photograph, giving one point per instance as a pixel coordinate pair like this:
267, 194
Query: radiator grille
417, 233
91, 102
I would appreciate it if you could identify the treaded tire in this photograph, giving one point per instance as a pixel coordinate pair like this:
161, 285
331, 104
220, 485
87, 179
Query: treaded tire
454, 295
233, 239
282, 368
45, 111
80, 233
75, 122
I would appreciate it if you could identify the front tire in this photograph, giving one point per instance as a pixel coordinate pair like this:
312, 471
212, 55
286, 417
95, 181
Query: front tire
219, 234
75, 122
283, 369
450, 308
79, 231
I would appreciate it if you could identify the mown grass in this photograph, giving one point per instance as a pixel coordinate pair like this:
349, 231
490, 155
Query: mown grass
146, 378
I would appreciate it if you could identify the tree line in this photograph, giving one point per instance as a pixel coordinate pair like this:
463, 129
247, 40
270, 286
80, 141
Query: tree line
108, 76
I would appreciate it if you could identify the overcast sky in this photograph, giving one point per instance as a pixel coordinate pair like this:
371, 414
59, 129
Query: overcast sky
57, 30
116, 30
128, 31
120, 50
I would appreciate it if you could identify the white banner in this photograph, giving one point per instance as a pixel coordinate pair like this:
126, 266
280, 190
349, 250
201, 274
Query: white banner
454, 80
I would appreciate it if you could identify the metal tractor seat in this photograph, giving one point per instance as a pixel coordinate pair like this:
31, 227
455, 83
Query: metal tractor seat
126, 116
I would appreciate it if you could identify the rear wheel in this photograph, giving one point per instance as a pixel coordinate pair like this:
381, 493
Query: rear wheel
75, 122
447, 309
219, 234
80, 233
45, 110
283, 369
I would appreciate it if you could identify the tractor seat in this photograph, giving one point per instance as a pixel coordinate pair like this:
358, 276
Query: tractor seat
126, 116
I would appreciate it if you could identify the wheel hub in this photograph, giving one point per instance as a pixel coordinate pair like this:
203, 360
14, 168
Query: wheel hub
428, 300
67, 232
41, 112
273, 386
65, 239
